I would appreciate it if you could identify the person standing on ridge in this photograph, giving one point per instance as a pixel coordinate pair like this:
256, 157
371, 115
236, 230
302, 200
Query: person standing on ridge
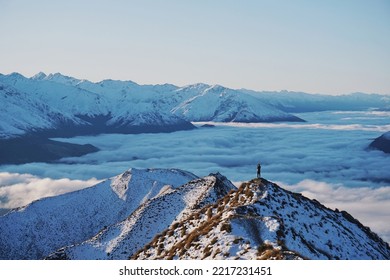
258, 170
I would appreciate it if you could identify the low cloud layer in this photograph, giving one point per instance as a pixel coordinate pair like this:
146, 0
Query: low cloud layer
288, 154
20, 189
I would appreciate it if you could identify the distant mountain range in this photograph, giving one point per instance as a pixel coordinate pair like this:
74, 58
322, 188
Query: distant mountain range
58, 105
173, 214
44, 106
300, 102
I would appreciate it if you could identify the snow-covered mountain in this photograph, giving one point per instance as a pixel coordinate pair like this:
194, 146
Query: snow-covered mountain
21, 111
220, 104
127, 237
34, 231
65, 105
172, 214
299, 102
60, 105
55, 105
263, 221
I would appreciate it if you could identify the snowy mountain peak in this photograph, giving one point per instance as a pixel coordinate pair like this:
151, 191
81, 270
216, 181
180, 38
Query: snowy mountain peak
117, 84
34, 231
217, 88
147, 183
39, 76
62, 79
194, 87
15, 76
120, 184
153, 216
220, 104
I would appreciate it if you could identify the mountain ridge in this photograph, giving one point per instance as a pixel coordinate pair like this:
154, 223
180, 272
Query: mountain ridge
128, 236
55, 106
173, 214
50, 223
64, 106
262, 236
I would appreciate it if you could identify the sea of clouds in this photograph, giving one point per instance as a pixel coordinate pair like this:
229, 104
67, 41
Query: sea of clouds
326, 158
20, 189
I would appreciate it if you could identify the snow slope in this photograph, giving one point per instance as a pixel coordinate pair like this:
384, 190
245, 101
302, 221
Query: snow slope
125, 238
21, 112
263, 221
63, 106
34, 231
220, 104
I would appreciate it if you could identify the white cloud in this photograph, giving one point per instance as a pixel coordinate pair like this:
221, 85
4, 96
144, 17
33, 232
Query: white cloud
20, 189
369, 114
289, 155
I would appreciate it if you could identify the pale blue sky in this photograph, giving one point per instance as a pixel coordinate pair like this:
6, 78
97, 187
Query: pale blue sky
314, 46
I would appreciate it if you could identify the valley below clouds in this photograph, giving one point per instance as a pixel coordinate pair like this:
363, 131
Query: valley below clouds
325, 159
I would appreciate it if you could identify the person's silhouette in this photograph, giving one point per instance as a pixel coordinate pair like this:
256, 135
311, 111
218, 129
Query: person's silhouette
258, 170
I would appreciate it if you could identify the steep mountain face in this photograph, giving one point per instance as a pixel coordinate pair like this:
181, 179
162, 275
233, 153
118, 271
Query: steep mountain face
220, 104
21, 112
263, 221
382, 143
43, 226
125, 238
172, 214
